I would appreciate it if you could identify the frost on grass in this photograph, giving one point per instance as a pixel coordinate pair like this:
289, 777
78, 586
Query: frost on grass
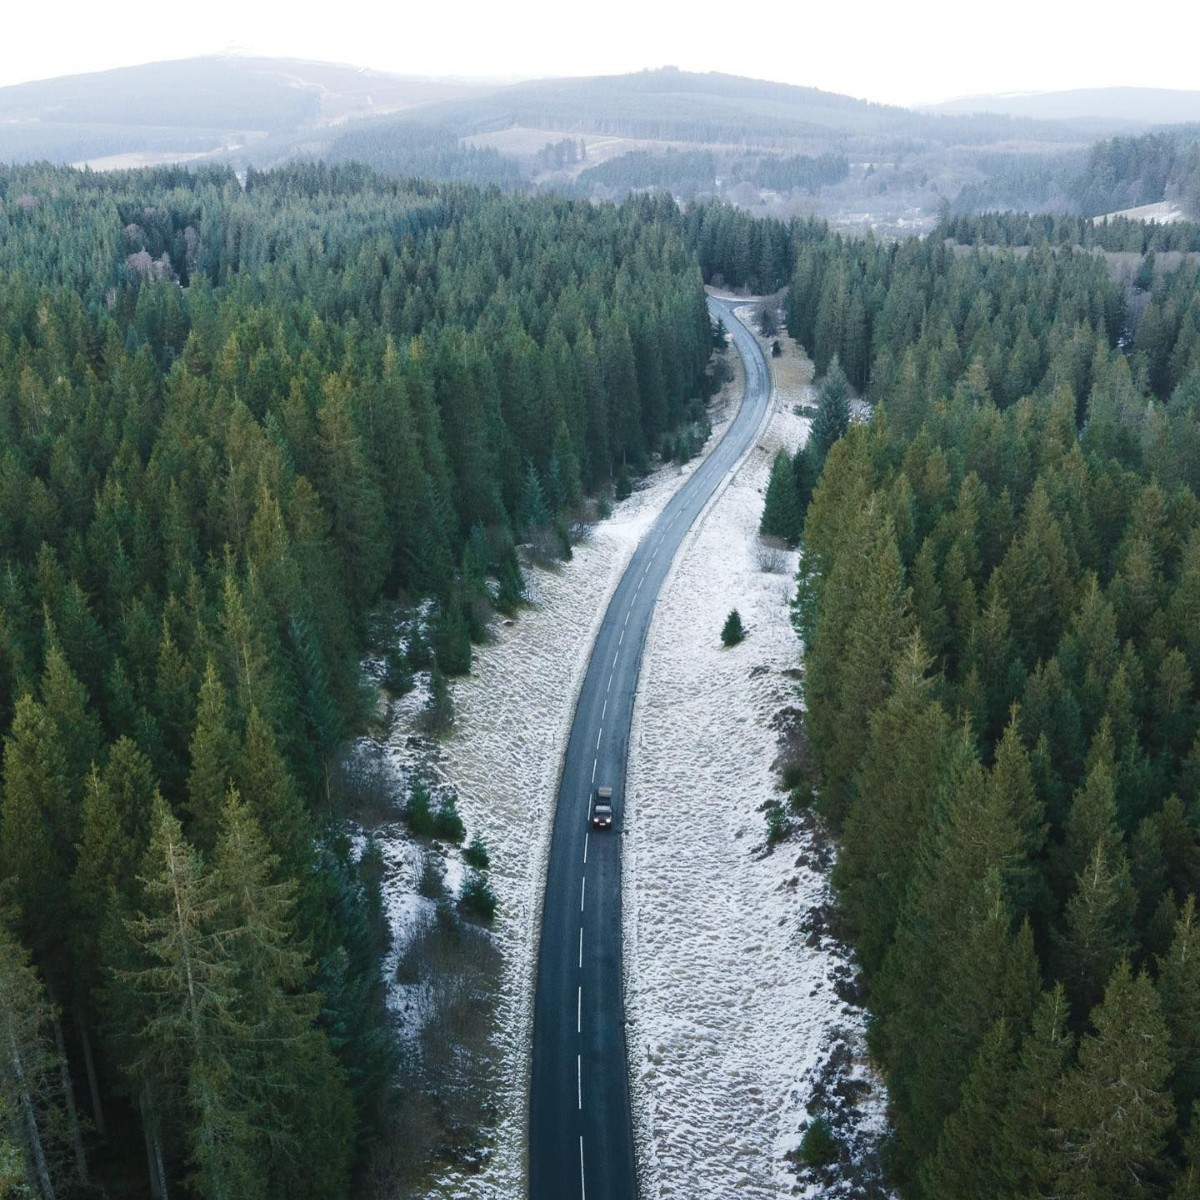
744, 1021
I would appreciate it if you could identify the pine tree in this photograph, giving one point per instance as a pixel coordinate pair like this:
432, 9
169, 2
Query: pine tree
864, 608
1026, 1141
213, 752
733, 631
1179, 993
968, 1164
67, 705
29, 1071
1114, 1108
286, 1078
176, 1002
261, 778
955, 965
534, 514
37, 827
1097, 927
1013, 796
907, 750
833, 411
781, 516
1187, 1178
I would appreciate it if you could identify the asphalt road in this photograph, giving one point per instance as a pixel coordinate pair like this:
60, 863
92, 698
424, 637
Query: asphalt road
580, 1133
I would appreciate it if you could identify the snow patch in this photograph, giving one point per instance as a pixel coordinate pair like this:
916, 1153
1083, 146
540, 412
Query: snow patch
736, 995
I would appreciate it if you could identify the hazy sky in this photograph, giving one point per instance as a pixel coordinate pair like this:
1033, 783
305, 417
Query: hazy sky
878, 49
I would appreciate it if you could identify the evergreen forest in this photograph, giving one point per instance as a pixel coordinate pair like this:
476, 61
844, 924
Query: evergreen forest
238, 415
1000, 574
235, 416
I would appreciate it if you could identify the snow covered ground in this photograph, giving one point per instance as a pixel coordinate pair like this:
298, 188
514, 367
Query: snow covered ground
732, 985
735, 1021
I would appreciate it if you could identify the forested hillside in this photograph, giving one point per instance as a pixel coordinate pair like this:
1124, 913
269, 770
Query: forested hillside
775, 148
234, 419
998, 603
1123, 172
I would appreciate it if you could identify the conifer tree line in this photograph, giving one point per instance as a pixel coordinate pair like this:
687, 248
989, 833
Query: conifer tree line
233, 418
998, 601
1059, 229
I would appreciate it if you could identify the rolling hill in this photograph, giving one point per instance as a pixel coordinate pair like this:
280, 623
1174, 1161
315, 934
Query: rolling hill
1128, 106
198, 108
776, 149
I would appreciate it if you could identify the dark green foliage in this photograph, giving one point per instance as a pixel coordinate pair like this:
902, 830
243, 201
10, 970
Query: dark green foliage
31, 1126
996, 600
833, 411
778, 825
447, 824
478, 901
476, 854
1059, 229
818, 1146
733, 632
431, 883
534, 513
418, 811
1124, 172
439, 715
1113, 1108
623, 488
1179, 993
452, 637
412, 149
782, 516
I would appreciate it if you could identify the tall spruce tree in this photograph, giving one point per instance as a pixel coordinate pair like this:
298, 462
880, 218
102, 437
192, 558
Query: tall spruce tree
30, 1108
1114, 1108
1179, 992
833, 411
781, 515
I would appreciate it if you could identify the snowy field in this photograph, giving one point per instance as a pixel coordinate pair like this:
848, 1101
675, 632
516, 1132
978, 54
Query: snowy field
735, 1023
735, 1017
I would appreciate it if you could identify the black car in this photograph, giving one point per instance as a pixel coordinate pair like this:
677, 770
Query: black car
602, 807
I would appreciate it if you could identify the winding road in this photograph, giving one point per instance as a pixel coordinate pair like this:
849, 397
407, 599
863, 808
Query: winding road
580, 1132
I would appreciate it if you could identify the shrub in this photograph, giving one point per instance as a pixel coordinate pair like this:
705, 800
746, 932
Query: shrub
398, 673
476, 854
431, 883
477, 901
802, 798
452, 638
417, 812
447, 824
439, 713
623, 488
793, 775
418, 651
733, 631
778, 825
818, 1146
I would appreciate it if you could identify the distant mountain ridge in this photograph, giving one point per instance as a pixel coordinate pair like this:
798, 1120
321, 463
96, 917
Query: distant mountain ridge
772, 148
1135, 105
198, 107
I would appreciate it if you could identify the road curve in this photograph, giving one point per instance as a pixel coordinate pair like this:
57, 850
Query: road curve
580, 1132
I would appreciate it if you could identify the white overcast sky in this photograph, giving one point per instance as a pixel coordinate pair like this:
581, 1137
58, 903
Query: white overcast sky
886, 50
